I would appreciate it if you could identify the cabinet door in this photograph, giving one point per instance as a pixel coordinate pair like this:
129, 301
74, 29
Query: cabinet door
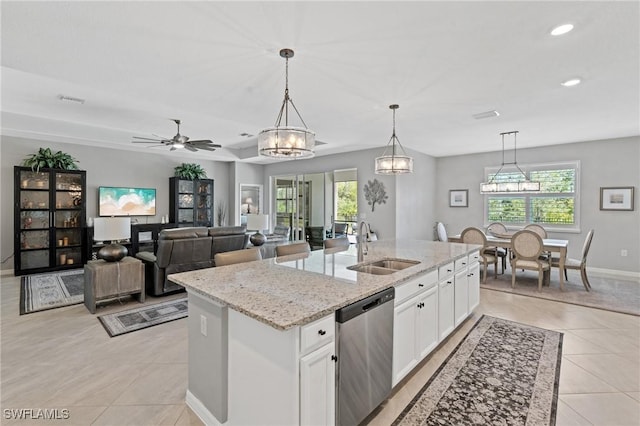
404, 338
474, 286
427, 326
317, 387
445, 308
461, 292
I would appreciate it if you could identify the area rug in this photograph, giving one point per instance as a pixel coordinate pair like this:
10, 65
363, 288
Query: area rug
606, 293
52, 290
145, 316
502, 373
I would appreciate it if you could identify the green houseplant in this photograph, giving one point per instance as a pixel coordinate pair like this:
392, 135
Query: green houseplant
45, 158
190, 171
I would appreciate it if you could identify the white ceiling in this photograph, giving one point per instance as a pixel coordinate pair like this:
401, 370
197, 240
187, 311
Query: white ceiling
215, 65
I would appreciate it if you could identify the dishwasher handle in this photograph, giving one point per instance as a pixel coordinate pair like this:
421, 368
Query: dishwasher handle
365, 305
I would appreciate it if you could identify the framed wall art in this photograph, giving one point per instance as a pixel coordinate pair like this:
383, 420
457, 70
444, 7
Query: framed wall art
459, 198
616, 198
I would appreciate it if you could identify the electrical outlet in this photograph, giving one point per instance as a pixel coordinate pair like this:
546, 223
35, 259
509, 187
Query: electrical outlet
203, 325
623, 253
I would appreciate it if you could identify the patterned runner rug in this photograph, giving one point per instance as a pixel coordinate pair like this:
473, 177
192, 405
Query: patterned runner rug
51, 290
502, 373
145, 316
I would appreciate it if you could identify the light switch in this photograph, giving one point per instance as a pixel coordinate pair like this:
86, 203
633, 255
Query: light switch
203, 325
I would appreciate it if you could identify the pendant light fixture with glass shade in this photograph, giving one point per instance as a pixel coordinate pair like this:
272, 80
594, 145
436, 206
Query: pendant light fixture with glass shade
397, 161
509, 182
284, 141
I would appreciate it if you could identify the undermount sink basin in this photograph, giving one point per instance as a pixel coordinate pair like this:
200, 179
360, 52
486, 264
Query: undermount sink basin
384, 266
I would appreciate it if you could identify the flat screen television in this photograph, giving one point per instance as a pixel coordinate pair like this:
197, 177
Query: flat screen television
121, 201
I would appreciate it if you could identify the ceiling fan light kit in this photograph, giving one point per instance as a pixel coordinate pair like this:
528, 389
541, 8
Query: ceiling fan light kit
508, 183
284, 141
180, 141
397, 161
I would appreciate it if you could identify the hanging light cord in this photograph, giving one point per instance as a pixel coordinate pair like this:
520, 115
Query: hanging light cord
394, 138
284, 109
515, 162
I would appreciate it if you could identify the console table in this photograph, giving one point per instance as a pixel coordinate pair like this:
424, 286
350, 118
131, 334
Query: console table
144, 237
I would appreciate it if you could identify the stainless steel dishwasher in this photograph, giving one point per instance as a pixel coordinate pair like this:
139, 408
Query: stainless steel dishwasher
365, 350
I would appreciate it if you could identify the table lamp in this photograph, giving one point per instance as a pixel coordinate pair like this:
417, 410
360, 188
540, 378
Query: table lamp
257, 222
248, 202
112, 229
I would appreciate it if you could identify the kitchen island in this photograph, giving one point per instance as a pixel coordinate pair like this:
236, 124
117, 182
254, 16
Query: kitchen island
262, 334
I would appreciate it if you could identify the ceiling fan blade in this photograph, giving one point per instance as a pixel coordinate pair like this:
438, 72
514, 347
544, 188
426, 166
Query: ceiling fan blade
147, 139
191, 148
201, 141
206, 147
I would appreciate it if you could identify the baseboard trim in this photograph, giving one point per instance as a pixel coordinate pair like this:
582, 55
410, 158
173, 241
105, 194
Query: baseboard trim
613, 273
4, 272
200, 410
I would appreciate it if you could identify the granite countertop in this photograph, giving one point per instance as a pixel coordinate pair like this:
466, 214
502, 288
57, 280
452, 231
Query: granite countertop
295, 290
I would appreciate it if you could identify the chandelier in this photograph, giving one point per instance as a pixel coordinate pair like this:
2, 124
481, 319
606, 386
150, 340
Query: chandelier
509, 182
397, 162
286, 141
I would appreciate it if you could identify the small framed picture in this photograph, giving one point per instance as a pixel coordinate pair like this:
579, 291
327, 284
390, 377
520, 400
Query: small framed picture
616, 198
459, 198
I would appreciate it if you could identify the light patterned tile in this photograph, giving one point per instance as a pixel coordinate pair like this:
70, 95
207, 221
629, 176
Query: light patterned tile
619, 372
605, 409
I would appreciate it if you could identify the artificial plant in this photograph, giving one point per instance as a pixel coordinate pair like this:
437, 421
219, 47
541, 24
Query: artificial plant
190, 171
45, 158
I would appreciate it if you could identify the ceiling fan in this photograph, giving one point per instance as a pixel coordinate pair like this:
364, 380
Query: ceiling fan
180, 141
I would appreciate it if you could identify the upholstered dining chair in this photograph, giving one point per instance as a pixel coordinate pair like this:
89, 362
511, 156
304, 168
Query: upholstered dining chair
526, 247
441, 232
294, 248
474, 235
237, 256
538, 229
498, 229
580, 265
340, 242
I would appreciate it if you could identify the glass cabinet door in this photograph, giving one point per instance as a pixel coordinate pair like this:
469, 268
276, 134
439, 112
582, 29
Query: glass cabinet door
49, 218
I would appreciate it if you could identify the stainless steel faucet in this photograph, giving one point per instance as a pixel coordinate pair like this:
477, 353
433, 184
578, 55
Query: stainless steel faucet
363, 245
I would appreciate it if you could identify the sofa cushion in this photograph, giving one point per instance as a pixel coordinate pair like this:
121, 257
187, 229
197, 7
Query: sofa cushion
227, 230
182, 233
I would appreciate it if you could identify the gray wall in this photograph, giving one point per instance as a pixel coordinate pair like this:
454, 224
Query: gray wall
244, 173
105, 167
614, 162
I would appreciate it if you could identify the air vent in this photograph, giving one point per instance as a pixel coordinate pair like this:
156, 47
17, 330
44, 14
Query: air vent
487, 114
65, 98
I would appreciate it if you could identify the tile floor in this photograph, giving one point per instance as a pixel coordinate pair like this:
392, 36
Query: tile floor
64, 359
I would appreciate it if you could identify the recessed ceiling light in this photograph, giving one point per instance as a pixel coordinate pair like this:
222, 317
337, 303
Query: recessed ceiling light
561, 29
571, 82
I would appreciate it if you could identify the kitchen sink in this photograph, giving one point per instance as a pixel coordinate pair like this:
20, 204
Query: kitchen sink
383, 267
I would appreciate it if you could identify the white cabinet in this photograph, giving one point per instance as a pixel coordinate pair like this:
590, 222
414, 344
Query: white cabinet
415, 323
474, 285
318, 372
427, 328
317, 386
461, 296
446, 318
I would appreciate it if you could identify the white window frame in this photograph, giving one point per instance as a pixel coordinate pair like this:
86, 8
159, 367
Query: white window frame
527, 168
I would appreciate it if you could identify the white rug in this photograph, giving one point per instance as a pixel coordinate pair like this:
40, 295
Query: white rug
51, 290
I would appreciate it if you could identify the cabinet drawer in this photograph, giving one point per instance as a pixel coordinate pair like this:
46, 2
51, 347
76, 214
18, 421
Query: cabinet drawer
415, 286
445, 270
461, 264
474, 257
317, 333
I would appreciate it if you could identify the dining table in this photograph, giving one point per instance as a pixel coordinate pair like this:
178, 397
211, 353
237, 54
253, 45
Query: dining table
548, 244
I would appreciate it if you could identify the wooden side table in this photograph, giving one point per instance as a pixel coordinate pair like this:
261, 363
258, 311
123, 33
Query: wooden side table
108, 280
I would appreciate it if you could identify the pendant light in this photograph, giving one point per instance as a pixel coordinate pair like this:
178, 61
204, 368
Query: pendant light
509, 183
397, 162
284, 141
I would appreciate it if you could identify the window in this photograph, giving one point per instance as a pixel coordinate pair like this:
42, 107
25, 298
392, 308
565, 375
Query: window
554, 207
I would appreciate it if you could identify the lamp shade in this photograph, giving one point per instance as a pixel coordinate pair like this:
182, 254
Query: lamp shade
111, 228
286, 142
257, 222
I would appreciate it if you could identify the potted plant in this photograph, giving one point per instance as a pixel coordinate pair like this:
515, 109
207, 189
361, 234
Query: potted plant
45, 158
190, 171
